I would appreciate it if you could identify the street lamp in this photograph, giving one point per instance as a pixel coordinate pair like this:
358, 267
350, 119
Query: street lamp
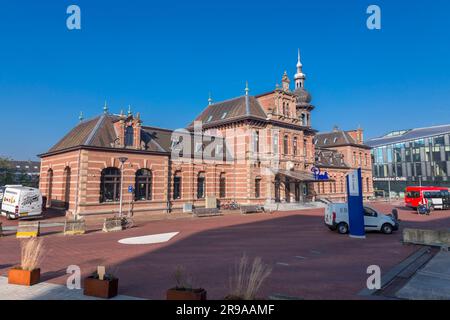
122, 162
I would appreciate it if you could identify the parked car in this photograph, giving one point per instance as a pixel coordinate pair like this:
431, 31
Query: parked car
21, 202
336, 218
2, 191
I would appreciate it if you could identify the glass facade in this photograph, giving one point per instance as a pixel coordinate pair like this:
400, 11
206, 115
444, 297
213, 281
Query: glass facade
424, 161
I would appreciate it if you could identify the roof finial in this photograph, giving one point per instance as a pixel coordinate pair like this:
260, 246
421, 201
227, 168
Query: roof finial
246, 88
299, 63
81, 118
129, 109
210, 100
299, 76
105, 107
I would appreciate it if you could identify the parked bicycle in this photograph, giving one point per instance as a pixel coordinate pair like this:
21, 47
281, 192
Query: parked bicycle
232, 205
127, 222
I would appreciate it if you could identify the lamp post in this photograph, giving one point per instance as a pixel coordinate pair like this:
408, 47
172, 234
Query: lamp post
122, 162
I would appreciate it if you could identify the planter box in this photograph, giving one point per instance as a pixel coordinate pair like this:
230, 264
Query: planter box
194, 294
24, 277
101, 288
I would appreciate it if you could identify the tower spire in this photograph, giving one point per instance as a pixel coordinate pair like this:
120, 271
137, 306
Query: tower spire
129, 109
81, 117
246, 88
299, 76
210, 100
105, 107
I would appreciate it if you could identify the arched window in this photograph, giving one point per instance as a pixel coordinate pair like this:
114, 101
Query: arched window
201, 185
285, 144
294, 146
305, 148
368, 184
256, 141
222, 186
177, 185
49, 186
110, 185
129, 136
257, 187
67, 178
143, 188
303, 119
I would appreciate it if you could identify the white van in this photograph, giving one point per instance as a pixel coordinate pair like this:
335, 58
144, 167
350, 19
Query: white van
21, 202
336, 218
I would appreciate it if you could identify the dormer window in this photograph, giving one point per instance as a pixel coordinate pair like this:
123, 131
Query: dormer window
209, 118
224, 115
129, 135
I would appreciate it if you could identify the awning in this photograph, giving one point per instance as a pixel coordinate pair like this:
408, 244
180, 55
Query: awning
302, 176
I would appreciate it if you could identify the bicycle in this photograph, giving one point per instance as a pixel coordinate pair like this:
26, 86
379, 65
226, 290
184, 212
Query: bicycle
126, 222
232, 205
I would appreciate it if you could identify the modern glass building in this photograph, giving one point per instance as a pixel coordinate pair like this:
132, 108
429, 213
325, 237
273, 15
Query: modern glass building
411, 157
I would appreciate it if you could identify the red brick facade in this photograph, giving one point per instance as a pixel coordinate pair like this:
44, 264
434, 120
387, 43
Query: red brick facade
270, 149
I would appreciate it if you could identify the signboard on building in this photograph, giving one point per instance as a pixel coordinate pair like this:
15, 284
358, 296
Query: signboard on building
318, 175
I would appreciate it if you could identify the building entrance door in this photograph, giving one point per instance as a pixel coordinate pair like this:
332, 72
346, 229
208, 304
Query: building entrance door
287, 190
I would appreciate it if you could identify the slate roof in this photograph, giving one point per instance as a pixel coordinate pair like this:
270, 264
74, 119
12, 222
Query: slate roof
409, 135
233, 109
336, 138
326, 158
99, 132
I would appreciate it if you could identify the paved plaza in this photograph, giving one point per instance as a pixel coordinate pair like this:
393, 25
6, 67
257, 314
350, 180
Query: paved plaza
309, 261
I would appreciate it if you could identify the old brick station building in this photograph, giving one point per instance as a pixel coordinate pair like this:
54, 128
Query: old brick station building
251, 149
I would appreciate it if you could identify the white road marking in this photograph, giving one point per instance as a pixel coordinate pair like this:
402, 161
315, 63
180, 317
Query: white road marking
150, 239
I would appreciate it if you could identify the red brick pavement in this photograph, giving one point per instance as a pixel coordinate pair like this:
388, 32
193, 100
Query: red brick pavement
309, 260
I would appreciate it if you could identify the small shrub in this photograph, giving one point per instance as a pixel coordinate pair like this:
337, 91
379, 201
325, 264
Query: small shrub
248, 278
31, 253
182, 279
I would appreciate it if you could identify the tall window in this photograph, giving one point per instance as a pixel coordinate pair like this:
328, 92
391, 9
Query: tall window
285, 144
49, 186
177, 185
305, 148
256, 141
201, 185
67, 187
222, 186
275, 143
368, 184
294, 146
143, 185
129, 135
110, 185
258, 187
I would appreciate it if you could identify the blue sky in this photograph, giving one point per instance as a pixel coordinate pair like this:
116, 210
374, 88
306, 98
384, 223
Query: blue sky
164, 57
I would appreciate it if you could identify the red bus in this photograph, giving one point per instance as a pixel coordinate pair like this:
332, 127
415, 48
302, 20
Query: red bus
415, 195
